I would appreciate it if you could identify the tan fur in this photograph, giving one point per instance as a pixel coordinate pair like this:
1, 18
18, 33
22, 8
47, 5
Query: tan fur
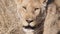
52, 21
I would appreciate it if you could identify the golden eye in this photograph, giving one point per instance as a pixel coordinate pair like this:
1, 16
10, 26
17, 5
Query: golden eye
24, 7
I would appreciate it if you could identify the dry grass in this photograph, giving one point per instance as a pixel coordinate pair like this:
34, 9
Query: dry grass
9, 18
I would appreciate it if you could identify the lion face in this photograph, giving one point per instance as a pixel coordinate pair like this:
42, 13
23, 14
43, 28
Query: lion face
31, 14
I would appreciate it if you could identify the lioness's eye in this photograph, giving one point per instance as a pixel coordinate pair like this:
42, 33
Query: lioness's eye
24, 7
36, 8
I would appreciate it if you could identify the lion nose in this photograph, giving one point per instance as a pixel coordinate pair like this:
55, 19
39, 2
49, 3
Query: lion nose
29, 21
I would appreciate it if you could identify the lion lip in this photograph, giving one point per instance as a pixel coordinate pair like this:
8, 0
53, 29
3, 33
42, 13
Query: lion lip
29, 27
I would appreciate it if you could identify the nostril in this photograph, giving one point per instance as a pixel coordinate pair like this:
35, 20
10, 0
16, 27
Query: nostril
29, 21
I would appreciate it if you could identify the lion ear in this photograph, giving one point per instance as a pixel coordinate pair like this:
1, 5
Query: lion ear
43, 3
46, 0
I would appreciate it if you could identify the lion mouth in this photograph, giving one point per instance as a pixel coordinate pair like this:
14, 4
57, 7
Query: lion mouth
29, 27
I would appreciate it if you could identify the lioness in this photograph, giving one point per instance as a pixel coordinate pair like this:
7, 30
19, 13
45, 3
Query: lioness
52, 21
32, 15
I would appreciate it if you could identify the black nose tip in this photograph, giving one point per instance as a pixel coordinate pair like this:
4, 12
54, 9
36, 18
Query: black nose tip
29, 21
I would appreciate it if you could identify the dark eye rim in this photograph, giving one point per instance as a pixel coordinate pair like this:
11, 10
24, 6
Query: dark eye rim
36, 8
24, 7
